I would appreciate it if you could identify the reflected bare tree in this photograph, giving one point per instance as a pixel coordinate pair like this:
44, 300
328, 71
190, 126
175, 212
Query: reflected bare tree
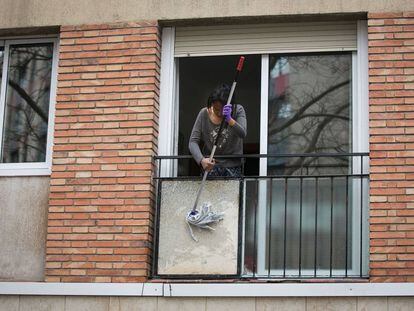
27, 103
309, 111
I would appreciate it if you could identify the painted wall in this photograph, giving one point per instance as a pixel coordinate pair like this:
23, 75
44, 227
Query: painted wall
30, 13
23, 224
72, 303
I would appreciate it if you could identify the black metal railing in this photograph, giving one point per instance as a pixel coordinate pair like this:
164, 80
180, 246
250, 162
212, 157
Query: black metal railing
304, 215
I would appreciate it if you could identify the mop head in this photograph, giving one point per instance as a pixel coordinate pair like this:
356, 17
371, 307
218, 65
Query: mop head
203, 219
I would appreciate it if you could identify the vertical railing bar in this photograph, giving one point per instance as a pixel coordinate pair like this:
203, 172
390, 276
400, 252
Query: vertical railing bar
360, 228
331, 230
269, 245
346, 226
255, 230
242, 228
157, 217
284, 231
300, 226
316, 224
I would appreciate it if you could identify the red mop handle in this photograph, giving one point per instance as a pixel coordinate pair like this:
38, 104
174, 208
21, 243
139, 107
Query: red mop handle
239, 68
240, 64
233, 86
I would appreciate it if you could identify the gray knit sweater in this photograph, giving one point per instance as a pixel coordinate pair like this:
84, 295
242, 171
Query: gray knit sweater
230, 142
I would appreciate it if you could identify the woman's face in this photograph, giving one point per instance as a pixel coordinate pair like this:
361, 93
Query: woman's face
217, 107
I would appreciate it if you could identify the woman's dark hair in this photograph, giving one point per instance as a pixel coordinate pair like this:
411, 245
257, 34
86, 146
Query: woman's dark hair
221, 94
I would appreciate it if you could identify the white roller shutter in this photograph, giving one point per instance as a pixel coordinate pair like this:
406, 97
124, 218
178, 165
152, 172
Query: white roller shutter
265, 38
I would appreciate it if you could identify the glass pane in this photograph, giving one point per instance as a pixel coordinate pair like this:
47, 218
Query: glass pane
27, 103
308, 225
198, 76
1, 63
309, 112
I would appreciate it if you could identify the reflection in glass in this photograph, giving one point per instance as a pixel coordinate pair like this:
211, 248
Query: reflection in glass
303, 221
1, 63
27, 103
309, 112
194, 89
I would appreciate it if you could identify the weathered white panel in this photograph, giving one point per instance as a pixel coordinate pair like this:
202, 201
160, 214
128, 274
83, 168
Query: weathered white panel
9, 303
35, 13
401, 303
114, 303
265, 38
189, 304
86, 303
281, 304
331, 304
372, 304
42, 303
216, 251
133, 303
23, 225
81, 289
231, 304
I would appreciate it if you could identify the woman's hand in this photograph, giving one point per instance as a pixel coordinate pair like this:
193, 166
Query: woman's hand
227, 112
207, 164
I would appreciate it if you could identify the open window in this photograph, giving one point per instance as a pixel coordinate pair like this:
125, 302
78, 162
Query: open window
304, 89
197, 77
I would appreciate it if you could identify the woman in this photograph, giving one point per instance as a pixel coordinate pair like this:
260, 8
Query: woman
230, 142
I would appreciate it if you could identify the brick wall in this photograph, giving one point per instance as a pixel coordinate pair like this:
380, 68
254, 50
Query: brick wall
391, 91
100, 209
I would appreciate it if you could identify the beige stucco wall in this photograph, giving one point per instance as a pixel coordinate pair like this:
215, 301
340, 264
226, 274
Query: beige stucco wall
23, 219
31, 13
73, 303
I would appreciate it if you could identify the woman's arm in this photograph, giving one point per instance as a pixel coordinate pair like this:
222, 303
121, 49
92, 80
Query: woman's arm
240, 124
195, 138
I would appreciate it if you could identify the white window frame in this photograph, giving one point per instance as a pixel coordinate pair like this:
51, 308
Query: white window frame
360, 143
168, 120
30, 168
169, 129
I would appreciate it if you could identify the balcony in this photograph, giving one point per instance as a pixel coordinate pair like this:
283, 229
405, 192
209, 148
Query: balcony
304, 216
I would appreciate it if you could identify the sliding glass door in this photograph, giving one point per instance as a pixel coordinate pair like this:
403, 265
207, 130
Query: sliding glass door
309, 208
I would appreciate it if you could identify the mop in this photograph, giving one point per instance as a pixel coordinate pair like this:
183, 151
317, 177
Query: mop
205, 217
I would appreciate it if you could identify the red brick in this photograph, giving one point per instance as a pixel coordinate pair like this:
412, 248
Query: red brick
106, 127
384, 15
391, 233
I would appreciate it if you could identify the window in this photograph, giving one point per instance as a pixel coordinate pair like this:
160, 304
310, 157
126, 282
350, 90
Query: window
304, 224
306, 198
27, 104
195, 89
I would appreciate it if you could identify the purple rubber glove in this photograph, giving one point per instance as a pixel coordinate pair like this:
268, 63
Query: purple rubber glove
227, 112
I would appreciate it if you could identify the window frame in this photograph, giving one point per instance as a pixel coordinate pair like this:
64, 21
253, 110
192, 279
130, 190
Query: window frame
359, 136
360, 116
30, 168
168, 120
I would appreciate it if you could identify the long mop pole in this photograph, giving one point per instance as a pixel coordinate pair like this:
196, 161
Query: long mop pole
213, 151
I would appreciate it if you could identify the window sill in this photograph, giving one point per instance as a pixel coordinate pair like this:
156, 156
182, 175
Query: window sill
208, 290
24, 170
